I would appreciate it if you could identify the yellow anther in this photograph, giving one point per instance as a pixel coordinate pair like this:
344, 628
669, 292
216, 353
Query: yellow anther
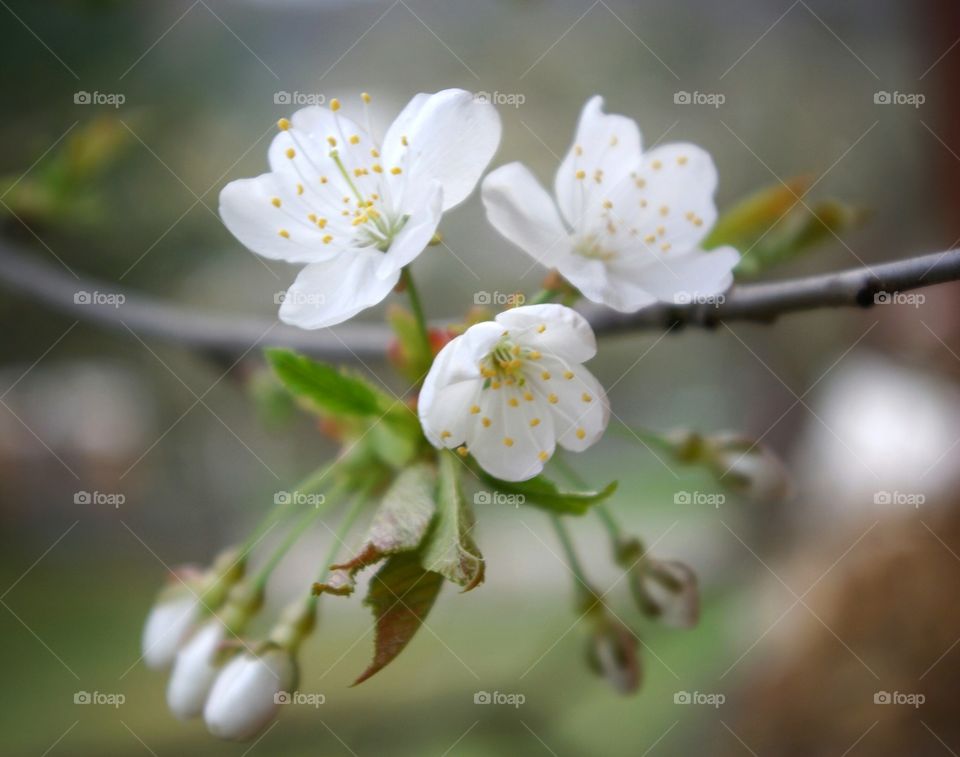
404, 141
377, 168
535, 355
475, 409
553, 399
332, 141
568, 375
614, 140
598, 176
541, 328
586, 397
275, 202
323, 179
322, 223
682, 160
581, 433
395, 170
354, 139
445, 434
365, 96
664, 210
528, 396
515, 349
580, 174
299, 189
665, 247
283, 124
656, 165
649, 239
543, 457
327, 239
291, 153
486, 422
534, 422
513, 402
495, 384
507, 441
374, 153
661, 230
641, 183
334, 105
578, 150
284, 233
463, 451
643, 203
607, 204
312, 217
545, 375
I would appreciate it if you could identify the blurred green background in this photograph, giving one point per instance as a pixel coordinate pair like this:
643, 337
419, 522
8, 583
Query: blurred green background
855, 402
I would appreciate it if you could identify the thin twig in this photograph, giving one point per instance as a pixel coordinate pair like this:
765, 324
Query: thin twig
233, 334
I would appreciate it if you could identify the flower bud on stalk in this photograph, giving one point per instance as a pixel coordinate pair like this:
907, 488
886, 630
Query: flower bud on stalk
665, 590
247, 692
180, 605
612, 651
198, 661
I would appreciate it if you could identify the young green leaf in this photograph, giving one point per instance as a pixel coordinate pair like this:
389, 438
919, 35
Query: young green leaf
398, 525
450, 548
323, 386
401, 594
545, 494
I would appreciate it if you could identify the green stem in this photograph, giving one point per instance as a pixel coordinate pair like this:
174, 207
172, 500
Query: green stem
650, 438
603, 512
417, 306
543, 296
582, 587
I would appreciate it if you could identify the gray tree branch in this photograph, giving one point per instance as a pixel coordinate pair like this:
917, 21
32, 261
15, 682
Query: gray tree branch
233, 335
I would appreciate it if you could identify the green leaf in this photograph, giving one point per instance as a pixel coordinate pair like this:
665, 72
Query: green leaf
322, 385
544, 493
450, 549
773, 226
399, 525
401, 595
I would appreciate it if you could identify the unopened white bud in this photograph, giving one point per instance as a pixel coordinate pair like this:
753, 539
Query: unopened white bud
247, 693
167, 627
195, 670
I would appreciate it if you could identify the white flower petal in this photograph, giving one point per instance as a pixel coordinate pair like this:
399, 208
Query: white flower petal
415, 234
521, 210
606, 143
680, 279
450, 138
447, 421
509, 448
278, 232
325, 294
552, 329
577, 401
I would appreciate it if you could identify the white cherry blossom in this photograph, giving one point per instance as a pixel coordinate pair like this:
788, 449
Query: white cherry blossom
508, 391
355, 210
627, 225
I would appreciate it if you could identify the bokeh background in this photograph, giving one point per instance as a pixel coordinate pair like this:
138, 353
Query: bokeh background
812, 606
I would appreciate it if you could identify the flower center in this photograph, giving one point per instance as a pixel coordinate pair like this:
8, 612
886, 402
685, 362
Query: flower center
505, 363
